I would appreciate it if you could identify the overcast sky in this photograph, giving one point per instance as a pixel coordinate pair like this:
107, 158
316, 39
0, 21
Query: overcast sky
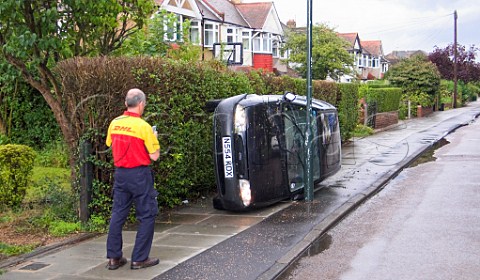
399, 24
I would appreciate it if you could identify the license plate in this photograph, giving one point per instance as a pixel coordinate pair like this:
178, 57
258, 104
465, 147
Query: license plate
227, 157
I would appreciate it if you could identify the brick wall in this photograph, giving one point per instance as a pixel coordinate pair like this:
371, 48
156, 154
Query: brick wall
385, 119
423, 111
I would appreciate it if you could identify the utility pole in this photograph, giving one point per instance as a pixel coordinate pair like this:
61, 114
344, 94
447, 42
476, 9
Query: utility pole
308, 187
455, 67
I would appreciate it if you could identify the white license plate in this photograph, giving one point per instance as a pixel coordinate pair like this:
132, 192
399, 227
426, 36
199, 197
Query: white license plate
227, 157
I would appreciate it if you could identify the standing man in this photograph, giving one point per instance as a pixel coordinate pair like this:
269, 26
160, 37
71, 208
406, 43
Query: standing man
134, 144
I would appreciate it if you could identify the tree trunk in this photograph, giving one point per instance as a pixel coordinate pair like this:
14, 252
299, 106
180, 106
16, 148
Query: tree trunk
46, 85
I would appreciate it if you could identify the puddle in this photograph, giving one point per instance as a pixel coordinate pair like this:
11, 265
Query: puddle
319, 245
428, 155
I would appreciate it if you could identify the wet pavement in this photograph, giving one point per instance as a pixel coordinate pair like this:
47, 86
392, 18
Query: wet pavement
199, 242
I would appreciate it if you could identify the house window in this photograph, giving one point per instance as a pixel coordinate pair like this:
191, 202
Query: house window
276, 48
173, 30
232, 35
246, 40
263, 43
267, 43
211, 34
195, 32
256, 43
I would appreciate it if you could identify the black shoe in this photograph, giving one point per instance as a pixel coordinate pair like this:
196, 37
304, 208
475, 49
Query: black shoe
116, 263
146, 263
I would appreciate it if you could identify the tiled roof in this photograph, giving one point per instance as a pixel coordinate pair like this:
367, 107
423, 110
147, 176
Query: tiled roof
373, 47
350, 38
255, 13
223, 10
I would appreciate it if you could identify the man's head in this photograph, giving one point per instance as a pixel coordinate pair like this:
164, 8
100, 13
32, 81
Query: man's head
135, 101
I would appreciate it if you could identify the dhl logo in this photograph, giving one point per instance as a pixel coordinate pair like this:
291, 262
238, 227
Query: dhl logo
122, 128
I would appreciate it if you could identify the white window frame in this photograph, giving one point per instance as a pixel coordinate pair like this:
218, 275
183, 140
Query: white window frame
195, 26
232, 35
262, 43
276, 48
246, 40
211, 29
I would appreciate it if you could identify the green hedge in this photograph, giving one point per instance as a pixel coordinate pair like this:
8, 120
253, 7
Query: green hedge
386, 99
16, 165
176, 92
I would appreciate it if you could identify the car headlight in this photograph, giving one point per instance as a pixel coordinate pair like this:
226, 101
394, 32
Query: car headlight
245, 192
240, 119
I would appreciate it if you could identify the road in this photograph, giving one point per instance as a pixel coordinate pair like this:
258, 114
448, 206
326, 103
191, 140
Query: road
424, 224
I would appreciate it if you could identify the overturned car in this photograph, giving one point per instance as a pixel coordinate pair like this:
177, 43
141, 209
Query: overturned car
259, 148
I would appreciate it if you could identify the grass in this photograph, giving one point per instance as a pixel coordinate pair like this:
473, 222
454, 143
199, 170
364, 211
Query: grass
43, 178
13, 250
362, 131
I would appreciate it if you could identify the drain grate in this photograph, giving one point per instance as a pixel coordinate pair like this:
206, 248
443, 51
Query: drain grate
35, 266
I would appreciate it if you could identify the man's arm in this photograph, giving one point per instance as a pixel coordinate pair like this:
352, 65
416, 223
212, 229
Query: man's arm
154, 156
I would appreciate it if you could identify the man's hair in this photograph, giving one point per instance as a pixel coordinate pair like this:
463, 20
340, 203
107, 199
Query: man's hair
134, 97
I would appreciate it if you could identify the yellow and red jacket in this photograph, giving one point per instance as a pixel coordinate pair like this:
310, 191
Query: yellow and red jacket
132, 140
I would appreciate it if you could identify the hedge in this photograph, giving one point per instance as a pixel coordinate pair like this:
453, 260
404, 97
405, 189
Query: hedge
386, 99
94, 93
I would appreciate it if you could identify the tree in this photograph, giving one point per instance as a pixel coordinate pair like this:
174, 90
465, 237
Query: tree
468, 70
161, 37
417, 76
36, 35
330, 57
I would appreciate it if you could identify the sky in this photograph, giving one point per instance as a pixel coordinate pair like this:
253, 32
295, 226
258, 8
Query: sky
400, 24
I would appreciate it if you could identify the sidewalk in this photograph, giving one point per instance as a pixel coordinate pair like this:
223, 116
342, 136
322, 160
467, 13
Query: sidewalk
199, 242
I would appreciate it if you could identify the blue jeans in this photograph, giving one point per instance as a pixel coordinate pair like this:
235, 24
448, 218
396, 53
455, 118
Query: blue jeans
133, 185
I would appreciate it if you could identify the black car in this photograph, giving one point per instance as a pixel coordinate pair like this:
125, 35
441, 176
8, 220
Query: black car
259, 148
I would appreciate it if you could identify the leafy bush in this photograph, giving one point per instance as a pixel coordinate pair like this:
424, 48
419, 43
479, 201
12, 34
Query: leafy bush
363, 130
54, 154
61, 228
59, 200
96, 223
415, 74
16, 164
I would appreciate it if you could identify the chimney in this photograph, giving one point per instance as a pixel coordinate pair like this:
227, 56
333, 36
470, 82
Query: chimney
291, 23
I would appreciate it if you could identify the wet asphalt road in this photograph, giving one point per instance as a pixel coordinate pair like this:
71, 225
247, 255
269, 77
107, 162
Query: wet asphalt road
424, 224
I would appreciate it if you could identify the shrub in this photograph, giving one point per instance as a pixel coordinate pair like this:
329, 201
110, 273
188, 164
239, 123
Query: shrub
363, 131
61, 228
386, 99
16, 164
